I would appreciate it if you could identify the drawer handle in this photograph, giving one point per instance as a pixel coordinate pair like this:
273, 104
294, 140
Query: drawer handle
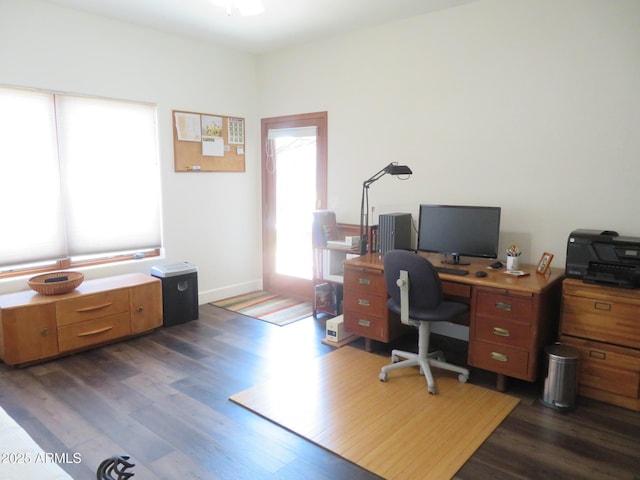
502, 332
606, 307
140, 309
598, 355
364, 281
500, 357
364, 323
44, 332
95, 307
503, 306
363, 302
95, 332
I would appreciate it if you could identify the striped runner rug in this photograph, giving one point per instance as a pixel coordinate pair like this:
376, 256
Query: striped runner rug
268, 306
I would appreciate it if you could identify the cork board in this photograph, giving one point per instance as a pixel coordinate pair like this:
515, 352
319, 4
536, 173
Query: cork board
204, 142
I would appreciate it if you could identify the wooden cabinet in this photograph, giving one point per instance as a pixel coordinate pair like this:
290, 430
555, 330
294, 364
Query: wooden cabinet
365, 305
506, 333
36, 327
28, 333
603, 324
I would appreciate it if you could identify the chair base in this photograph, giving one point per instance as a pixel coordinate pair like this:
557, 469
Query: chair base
423, 360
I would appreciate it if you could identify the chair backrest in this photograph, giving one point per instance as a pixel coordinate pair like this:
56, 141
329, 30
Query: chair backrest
325, 227
425, 288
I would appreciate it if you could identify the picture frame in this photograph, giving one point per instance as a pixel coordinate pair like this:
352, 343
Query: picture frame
544, 263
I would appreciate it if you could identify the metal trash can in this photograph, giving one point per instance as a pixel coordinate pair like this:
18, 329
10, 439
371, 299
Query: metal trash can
560, 387
179, 292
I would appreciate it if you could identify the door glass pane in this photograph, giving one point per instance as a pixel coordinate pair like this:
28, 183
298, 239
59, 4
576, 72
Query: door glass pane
295, 167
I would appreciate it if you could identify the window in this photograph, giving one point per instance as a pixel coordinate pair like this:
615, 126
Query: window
79, 180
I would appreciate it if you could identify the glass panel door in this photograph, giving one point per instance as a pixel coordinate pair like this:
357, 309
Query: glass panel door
294, 185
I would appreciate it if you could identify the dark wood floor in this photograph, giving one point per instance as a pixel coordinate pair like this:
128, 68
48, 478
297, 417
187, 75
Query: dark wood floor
163, 400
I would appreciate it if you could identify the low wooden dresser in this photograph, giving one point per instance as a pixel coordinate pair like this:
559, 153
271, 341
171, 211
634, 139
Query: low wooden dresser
35, 327
603, 324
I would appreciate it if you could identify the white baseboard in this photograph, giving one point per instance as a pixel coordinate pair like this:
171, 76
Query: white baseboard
216, 294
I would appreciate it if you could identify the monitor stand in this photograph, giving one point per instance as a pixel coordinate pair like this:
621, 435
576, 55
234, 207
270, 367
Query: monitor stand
455, 260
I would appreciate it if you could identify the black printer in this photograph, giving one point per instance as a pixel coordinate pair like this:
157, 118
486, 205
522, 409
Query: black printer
603, 257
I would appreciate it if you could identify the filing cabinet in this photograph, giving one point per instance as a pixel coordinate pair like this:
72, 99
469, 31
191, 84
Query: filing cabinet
603, 324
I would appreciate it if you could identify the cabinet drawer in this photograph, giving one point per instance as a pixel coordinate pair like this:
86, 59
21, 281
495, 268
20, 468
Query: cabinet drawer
503, 332
608, 368
500, 359
89, 307
93, 332
363, 280
458, 290
602, 320
366, 304
504, 305
368, 326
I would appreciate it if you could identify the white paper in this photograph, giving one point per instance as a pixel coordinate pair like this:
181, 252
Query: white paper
236, 131
188, 127
212, 146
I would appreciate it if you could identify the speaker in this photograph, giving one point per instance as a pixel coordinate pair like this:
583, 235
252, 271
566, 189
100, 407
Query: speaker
394, 231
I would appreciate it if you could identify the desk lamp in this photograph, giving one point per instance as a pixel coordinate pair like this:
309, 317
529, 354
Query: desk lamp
392, 169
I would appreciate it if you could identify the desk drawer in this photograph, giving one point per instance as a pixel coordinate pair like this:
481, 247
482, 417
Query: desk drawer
93, 332
458, 290
88, 307
503, 332
363, 280
373, 327
367, 304
500, 359
503, 305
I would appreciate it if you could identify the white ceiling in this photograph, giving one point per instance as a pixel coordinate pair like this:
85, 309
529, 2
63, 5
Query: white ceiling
284, 23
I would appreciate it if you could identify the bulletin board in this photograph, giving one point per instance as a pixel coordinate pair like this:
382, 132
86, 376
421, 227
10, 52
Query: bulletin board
204, 142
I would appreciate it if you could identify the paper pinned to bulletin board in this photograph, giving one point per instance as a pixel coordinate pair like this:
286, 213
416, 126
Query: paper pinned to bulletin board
204, 142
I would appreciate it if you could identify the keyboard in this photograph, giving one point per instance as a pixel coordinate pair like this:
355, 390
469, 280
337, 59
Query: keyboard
451, 271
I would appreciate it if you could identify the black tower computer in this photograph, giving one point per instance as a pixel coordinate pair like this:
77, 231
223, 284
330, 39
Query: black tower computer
394, 231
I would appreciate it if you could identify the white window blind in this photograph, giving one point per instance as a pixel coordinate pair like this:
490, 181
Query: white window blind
296, 132
78, 176
110, 184
30, 204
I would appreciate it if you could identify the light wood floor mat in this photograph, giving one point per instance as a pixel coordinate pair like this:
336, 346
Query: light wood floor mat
395, 428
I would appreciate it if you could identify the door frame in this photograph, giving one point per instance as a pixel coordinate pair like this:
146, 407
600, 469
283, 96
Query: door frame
283, 284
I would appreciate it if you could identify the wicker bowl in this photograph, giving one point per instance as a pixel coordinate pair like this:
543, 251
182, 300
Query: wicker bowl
56, 283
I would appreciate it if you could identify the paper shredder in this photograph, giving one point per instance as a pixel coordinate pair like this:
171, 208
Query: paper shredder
179, 292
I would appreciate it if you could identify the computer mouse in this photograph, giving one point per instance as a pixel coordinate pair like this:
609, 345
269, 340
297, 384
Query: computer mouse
481, 273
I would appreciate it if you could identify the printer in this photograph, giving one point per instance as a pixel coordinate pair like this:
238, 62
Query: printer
603, 257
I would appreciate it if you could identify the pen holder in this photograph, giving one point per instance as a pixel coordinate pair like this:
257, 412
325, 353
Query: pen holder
512, 263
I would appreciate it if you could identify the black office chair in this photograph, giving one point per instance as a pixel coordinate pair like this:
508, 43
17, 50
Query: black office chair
416, 295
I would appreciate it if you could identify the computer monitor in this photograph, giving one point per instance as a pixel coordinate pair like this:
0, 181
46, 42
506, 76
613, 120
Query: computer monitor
459, 230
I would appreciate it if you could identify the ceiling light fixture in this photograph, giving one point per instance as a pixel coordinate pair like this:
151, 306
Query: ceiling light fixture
246, 8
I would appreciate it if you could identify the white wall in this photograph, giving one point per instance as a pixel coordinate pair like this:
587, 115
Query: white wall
531, 105
209, 219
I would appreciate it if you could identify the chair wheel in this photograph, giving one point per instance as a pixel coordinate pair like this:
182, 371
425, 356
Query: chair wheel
395, 359
431, 389
462, 378
382, 377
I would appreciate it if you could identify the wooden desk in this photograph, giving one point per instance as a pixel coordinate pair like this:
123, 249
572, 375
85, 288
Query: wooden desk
511, 319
